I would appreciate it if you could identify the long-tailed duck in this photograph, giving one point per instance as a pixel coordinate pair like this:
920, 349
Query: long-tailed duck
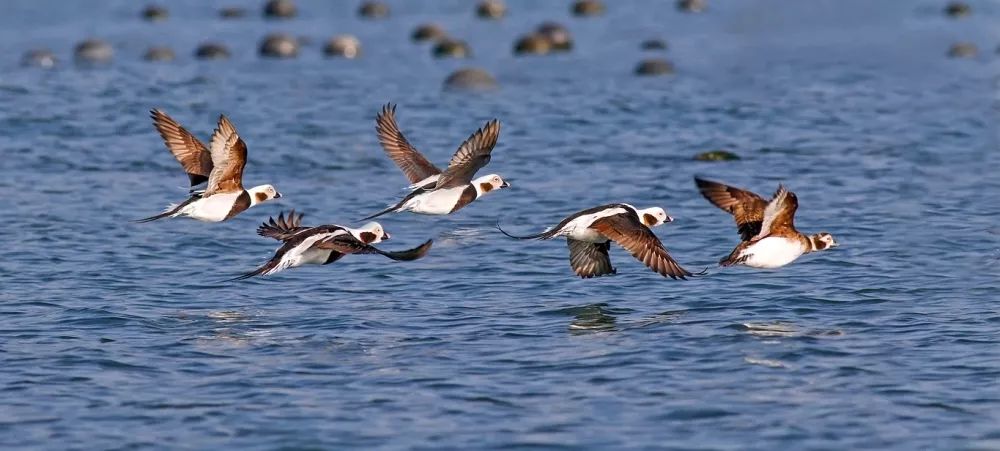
589, 234
221, 168
436, 192
767, 228
323, 244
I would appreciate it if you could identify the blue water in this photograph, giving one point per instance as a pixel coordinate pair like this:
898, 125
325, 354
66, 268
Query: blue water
116, 335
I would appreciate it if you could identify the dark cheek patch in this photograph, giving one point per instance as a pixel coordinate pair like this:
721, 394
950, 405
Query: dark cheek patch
367, 237
485, 187
648, 219
261, 197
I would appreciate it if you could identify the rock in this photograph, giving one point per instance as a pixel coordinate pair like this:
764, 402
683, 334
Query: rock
585, 8
93, 51
280, 9
491, 9
159, 54
558, 36
428, 32
470, 79
963, 50
211, 51
451, 48
532, 44
717, 155
232, 12
957, 9
154, 13
43, 58
654, 44
654, 66
691, 6
279, 45
345, 46
373, 10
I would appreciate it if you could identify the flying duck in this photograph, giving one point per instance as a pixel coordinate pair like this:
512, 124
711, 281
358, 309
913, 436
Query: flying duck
323, 244
589, 234
767, 228
219, 167
437, 192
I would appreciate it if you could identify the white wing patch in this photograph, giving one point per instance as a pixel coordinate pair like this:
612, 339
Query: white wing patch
773, 208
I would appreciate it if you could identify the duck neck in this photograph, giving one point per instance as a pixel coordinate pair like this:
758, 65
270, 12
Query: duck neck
815, 244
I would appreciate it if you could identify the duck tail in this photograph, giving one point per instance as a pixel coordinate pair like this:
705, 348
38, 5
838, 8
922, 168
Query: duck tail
171, 210
391, 209
538, 236
734, 257
263, 270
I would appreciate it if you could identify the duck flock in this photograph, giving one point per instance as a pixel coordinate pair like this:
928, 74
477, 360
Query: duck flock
768, 237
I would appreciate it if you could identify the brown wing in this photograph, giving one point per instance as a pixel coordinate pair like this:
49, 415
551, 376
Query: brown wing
347, 244
188, 150
626, 230
471, 156
283, 228
746, 207
413, 164
229, 155
779, 216
589, 259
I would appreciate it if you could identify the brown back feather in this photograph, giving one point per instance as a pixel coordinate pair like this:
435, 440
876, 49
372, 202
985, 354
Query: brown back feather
746, 207
229, 154
471, 156
413, 164
191, 153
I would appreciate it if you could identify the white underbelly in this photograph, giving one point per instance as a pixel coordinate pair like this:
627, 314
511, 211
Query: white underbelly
439, 202
214, 208
304, 253
587, 234
772, 252
314, 256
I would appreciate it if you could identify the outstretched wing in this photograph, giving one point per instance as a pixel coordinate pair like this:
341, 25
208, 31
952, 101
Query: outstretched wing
229, 156
471, 156
746, 207
590, 259
413, 164
626, 230
779, 216
347, 244
282, 228
193, 156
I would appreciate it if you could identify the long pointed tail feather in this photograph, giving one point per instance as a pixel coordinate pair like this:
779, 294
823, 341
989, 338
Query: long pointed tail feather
387, 210
256, 272
170, 211
544, 235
